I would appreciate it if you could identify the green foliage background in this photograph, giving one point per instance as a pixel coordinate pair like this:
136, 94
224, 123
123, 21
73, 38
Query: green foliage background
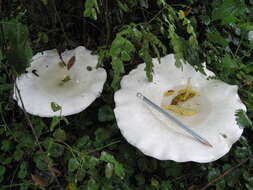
87, 151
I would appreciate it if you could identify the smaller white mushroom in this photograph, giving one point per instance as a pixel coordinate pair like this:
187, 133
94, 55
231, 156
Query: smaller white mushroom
73, 84
207, 107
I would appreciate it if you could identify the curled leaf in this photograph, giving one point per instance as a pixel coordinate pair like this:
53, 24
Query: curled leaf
71, 62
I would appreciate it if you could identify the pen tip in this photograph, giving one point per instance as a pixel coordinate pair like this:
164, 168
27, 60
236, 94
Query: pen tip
207, 144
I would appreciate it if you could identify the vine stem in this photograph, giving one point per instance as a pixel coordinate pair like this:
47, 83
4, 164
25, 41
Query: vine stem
227, 172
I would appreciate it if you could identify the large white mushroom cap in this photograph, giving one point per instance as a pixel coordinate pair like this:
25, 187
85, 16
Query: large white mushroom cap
159, 137
49, 81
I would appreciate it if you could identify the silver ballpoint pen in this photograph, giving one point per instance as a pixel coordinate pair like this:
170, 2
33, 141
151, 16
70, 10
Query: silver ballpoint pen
171, 117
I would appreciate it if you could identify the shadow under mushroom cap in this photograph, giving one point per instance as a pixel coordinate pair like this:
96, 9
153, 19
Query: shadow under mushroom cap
159, 137
48, 80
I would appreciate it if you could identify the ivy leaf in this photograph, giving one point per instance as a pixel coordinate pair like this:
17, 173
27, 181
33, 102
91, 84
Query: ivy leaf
242, 119
55, 107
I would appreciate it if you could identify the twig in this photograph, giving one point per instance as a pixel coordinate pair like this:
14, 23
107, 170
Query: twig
229, 171
108, 28
34, 133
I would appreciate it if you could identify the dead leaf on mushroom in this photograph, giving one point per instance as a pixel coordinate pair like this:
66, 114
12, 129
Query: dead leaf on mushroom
184, 94
169, 93
71, 62
180, 110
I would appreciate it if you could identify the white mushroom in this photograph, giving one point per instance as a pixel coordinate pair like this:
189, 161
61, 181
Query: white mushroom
73, 86
157, 136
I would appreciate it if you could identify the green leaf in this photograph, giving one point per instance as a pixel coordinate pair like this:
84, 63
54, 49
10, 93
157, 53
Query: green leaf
121, 50
6, 87
56, 120
83, 142
91, 9
55, 107
118, 167
166, 185
19, 52
213, 173
105, 113
6, 145
73, 164
18, 155
40, 160
109, 170
22, 173
2, 170
229, 64
118, 68
155, 183
216, 37
53, 149
144, 54
92, 185
229, 10
102, 135
59, 134
242, 119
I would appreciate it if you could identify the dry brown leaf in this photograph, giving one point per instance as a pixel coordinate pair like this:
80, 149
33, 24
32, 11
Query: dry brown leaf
55, 172
71, 62
38, 180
